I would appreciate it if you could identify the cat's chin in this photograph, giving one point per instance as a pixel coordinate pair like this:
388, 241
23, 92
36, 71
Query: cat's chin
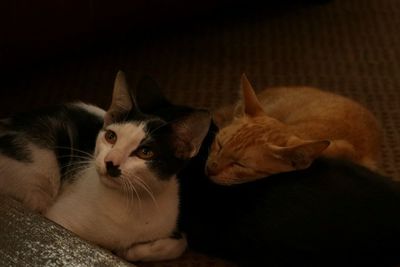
222, 180
111, 182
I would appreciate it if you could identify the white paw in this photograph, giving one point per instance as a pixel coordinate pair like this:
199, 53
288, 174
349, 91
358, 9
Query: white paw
161, 249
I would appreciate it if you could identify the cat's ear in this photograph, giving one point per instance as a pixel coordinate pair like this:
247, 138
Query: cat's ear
189, 133
223, 116
122, 102
300, 156
149, 95
252, 106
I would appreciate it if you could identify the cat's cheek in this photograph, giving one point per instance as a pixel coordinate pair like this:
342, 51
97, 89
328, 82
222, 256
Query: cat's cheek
234, 175
100, 165
101, 151
110, 182
224, 177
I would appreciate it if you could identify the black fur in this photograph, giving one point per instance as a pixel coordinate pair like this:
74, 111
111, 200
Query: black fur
160, 136
112, 170
14, 147
69, 130
158, 114
333, 214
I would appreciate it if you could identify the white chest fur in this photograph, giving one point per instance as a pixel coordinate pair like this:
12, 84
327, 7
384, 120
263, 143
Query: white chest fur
112, 219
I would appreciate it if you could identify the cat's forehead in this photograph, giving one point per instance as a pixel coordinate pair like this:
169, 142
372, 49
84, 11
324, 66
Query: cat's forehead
154, 124
238, 125
147, 121
245, 132
245, 135
129, 130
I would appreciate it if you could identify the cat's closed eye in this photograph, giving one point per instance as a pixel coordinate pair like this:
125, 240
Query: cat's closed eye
239, 164
110, 136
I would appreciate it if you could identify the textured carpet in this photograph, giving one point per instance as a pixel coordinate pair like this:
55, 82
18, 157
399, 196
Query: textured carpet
350, 47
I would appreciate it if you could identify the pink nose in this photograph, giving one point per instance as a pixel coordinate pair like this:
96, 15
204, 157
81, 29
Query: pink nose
115, 157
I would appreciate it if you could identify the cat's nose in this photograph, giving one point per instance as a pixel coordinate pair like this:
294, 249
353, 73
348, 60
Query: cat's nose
113, 170
211, 169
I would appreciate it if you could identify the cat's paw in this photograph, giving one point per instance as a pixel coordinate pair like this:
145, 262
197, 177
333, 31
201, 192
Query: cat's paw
161, 249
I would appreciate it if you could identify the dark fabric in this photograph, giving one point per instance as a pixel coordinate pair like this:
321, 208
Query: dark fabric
351, 47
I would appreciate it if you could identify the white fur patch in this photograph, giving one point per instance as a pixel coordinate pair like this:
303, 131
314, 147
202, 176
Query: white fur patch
158, 250
129, 136
91, 109
112, 219
117, 212
35, 184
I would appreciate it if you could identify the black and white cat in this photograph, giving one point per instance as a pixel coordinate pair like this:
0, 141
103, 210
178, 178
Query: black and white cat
109, 177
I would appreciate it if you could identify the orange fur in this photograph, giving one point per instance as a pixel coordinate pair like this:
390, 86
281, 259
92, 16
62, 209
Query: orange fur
284, 129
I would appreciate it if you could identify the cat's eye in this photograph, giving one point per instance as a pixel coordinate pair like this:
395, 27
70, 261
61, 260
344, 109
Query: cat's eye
110, 136
145, 153
239, 164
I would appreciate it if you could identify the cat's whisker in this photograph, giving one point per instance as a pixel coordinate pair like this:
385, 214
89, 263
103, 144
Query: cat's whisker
132, 192
132, 189
141, 180
75, 157
74, 149
75, 170
127, 191
73, 164
80, 162
148, 190
167, 123
124, 188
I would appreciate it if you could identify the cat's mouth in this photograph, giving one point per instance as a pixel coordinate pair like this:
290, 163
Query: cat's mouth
231, 176
114, 182
108, 180
226, 180
222, 177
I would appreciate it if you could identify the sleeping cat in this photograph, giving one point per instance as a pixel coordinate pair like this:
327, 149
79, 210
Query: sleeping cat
109, 177
285, 129
334, 213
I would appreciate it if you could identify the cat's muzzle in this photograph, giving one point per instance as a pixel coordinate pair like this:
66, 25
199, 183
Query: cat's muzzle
113, 170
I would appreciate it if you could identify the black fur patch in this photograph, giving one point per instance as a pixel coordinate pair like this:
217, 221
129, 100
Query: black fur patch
165, 164
68, 130
16, 148
158, 134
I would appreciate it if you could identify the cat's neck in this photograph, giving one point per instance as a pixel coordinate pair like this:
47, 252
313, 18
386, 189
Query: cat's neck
88, 204
88, 183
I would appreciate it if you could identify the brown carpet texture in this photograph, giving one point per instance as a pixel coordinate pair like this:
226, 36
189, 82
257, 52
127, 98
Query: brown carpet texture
351, 47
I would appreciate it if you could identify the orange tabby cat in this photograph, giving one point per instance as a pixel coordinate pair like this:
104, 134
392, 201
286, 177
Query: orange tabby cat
285, 129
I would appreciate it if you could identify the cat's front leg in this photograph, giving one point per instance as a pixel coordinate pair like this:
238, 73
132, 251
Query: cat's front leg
158, 250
